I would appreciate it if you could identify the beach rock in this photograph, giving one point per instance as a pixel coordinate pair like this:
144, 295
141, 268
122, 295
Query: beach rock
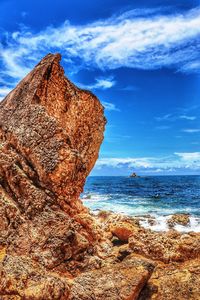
123, 230
120, 281
174, 282
51, 247
179, 219
165, 246
22, 278
50, 134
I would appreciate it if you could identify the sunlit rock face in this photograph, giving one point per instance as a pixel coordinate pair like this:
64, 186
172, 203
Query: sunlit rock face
51, 247
50, 134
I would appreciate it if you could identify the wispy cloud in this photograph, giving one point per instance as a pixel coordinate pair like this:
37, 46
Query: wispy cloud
165, 117
4, 92
191, 130
184, 161
142, 39
185, 117
100, 83
162, 127
189, 156
110, 106
174, 117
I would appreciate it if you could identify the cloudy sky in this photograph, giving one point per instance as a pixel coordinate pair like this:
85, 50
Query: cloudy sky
141, 58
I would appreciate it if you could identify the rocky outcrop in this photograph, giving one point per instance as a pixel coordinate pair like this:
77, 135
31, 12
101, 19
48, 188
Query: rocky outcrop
179, 219
175, 255
114, 281
50, 134
50, 245
174, 282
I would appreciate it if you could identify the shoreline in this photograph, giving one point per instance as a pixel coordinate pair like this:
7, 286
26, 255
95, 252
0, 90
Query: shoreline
175, 256
161, 223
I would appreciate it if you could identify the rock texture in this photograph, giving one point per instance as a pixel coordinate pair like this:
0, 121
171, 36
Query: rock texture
176, 256
50, 134
50, 245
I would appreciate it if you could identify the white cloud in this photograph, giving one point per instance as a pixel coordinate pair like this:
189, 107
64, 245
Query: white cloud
142, 39
101, 83
174, 117
110, 106
4, 92
189, 156
119, 162
184, 161
190, 118
191, 130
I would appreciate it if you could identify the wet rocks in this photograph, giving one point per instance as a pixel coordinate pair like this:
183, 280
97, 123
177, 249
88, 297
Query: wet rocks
179, 219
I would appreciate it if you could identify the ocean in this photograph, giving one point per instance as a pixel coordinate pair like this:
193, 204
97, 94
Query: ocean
155, 196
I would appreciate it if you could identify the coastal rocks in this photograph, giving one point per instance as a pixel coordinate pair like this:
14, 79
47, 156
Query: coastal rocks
119, 281
51, 247
176, 257
165, 246
22, 278
179, 219
168, 246
50, 134
123, 231
174, 282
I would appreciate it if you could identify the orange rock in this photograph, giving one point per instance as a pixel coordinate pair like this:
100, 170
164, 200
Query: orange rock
50, 134
123, 230
120, 281
180, 219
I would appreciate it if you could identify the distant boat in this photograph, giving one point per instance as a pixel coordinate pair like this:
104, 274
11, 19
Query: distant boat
134, 175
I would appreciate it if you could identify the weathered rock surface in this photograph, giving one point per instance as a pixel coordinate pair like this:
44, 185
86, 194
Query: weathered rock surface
50, 245
50, 134
179, 219
114, 281
174, 282
176, 257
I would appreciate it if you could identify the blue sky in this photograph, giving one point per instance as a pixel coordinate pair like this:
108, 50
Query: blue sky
141, 58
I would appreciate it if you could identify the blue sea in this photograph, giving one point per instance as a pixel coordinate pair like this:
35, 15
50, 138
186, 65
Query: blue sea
157, 196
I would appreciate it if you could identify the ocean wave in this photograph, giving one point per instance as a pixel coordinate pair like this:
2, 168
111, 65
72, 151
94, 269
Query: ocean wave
161, 224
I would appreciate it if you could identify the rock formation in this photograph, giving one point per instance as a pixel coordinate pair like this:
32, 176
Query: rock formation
50, 246
176, 256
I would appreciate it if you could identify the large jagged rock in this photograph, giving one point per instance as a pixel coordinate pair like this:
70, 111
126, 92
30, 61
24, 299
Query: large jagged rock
50, 134
50, 246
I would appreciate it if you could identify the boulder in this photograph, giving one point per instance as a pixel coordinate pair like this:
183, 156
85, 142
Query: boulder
179, 219
51, 247
122, 281
174, 282
50, 134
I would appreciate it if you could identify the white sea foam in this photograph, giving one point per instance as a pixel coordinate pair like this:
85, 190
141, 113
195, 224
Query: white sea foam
162, 225
139, 207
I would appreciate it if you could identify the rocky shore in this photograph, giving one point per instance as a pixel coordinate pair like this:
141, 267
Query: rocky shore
51, 246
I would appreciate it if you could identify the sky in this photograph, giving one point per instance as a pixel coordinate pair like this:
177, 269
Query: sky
141, 58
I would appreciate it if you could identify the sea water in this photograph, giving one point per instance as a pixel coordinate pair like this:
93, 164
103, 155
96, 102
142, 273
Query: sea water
155, 196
